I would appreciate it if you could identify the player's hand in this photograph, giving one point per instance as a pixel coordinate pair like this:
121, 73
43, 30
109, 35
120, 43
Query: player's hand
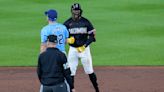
71, 40
81, 49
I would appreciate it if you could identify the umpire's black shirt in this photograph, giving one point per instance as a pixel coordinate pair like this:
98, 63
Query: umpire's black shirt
53, 68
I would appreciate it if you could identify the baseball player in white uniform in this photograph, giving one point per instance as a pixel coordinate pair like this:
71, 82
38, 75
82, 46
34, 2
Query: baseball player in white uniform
82, 34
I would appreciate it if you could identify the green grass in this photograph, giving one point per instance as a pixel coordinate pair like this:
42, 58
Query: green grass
129, 32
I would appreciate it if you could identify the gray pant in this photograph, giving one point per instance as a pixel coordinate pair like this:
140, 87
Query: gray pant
56, 88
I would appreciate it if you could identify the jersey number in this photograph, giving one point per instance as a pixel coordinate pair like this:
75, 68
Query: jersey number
60, 39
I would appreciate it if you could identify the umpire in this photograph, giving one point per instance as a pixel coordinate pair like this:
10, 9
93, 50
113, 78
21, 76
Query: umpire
53, 68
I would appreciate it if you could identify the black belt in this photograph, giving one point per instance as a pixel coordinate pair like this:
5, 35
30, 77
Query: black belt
53, 84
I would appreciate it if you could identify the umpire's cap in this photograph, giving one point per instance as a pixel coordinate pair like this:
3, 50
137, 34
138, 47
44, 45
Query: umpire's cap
51, 14
52, 38
76, 6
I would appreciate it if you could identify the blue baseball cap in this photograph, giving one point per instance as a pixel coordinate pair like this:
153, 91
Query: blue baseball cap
51, 14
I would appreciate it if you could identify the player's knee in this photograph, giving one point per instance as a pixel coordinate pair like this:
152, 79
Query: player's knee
88, 71
73, 73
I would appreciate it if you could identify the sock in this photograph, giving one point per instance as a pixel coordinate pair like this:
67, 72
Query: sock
93, 79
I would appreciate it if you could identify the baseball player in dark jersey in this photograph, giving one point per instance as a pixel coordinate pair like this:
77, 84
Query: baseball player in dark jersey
53, 68
82, 34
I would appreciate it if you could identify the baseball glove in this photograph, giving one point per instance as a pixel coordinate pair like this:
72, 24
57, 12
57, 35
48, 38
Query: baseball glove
81, 49
71, 40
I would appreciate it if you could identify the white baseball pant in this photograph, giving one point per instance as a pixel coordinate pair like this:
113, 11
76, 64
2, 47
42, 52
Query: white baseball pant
86, 60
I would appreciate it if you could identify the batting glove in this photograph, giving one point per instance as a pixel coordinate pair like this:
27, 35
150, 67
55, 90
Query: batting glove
71, 40
81, 49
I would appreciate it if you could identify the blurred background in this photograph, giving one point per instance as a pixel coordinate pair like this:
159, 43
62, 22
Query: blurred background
129, 32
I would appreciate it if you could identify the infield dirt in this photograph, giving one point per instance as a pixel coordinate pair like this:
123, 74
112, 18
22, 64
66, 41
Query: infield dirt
110, 79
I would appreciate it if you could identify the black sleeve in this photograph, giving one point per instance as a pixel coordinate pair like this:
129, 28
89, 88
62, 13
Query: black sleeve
67, 72
39, 69
89, 25
91, 33
90, 40
66, 23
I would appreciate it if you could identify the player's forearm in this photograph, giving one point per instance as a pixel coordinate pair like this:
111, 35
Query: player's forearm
90, 40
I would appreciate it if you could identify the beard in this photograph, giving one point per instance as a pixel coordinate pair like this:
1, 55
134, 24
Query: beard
76, 16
